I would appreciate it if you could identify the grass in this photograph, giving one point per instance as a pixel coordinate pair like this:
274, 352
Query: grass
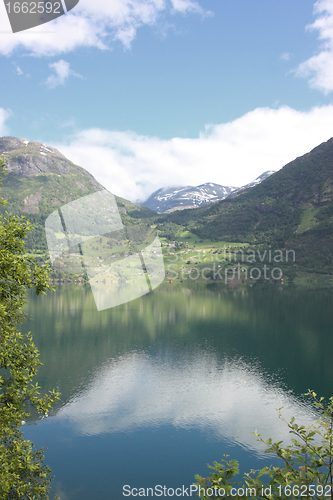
308, 220
205, 255
204, 244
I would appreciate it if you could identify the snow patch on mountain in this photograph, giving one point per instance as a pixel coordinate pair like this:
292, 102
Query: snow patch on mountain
169, 199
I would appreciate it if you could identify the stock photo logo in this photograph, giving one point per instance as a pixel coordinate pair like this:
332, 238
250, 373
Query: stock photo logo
122, 262
24, 14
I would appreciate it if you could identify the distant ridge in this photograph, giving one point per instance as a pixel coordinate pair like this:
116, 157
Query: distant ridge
169, 199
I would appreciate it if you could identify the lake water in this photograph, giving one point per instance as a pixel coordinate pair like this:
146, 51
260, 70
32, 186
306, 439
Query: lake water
155, 389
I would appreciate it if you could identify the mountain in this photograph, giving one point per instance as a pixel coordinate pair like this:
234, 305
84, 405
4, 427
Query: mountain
169, 199
39, 179
39, 176
257, 181
292, 208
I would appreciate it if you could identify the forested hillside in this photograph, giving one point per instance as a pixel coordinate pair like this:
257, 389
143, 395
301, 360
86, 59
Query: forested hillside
39, 179
292, 208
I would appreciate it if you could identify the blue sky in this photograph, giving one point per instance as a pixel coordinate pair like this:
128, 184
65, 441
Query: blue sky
150, 93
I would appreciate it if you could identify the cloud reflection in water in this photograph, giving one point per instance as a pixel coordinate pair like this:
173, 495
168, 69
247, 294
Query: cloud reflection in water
230, 399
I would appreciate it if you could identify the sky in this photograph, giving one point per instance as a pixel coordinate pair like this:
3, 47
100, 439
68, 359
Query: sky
152, 93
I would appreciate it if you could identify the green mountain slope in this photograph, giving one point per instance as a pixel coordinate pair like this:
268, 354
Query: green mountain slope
292, 208
39, 179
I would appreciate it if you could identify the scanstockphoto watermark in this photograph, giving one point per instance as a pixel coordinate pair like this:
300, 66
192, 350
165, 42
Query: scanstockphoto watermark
251, 264
226, 274
26, 14
122, 262
188, 491
247, 256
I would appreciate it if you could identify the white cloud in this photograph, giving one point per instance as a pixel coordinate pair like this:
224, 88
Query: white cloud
62, 72
234, 153
186, 6
92, 24
4, 115
285, 56
319, 68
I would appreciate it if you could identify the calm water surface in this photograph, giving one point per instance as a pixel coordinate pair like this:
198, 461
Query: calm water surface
155, 389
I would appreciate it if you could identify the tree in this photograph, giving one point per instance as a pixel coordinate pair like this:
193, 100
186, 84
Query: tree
306, 465
23, 474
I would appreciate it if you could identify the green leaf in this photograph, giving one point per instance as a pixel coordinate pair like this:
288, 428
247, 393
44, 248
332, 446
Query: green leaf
23, 473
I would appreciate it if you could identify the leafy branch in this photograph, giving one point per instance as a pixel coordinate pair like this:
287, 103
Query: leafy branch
306, 470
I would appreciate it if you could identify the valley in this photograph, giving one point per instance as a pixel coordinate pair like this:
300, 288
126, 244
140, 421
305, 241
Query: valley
290, 210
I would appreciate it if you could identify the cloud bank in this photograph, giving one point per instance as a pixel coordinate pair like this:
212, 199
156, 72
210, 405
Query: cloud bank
233, 154
93, 24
